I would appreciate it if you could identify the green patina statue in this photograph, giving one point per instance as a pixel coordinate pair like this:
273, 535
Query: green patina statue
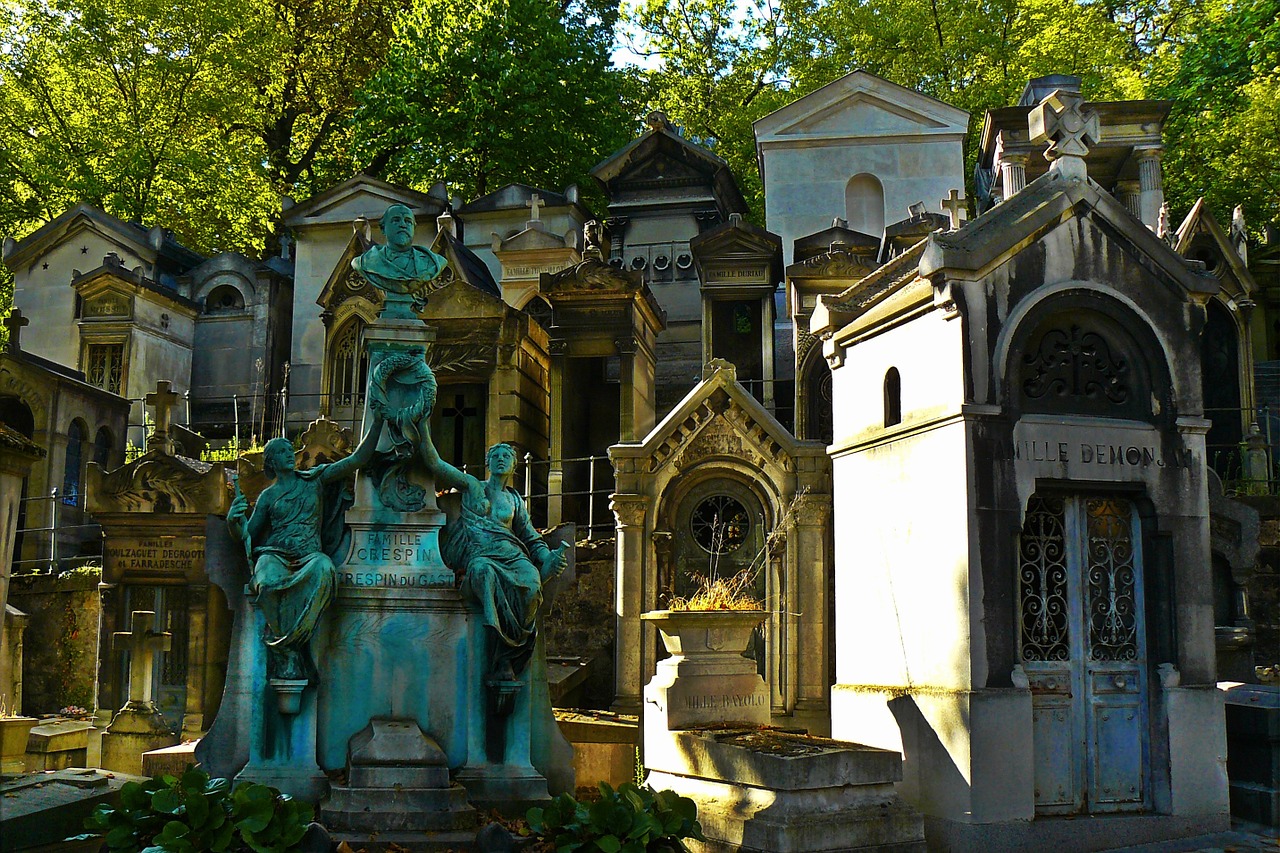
399, 267
294, 536
502, 560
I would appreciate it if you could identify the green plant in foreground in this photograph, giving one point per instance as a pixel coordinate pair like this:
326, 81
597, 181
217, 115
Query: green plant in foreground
193, 814
628, 820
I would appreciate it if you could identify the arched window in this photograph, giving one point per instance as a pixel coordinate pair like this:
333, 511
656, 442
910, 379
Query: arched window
222, 299
74, 467
348, 366
892, 397
1220, 382
102, 443
864, 204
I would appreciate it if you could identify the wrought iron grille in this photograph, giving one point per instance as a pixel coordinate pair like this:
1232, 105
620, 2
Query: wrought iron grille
1112, 604
1042, 570
106, 366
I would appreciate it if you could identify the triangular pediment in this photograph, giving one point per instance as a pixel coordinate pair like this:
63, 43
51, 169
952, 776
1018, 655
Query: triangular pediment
718, 419
861, 105
532, 239
1201, 238
361, 197
345, 283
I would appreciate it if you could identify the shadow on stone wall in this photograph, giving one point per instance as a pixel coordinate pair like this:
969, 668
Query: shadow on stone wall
60, 646
581, 624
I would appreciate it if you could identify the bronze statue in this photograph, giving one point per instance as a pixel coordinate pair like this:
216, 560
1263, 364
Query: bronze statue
503, 561
293, 538
399, 267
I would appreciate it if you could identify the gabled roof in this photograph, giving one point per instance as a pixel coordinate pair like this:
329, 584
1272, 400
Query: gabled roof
154, 243
514, 196
1045, 203
344, 282
361, 196
859, 105
820, 242
466, 264
110, 271
1200, 220
715, 405
675, 156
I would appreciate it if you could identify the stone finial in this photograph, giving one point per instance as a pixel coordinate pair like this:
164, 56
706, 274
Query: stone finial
1164, 230
445, 222
162, 401
9, 246
14, 323
735, 218
954, 205
917, 210
1069, 130
1239, 234
839, 222
593, 240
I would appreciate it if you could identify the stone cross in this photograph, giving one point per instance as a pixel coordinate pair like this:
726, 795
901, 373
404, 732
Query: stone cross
162, 400
534, 203
1069, 130
141, 642
14, 323
954, 205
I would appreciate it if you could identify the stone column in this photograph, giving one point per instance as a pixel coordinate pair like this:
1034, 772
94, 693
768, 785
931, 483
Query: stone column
617, 227
199, 675
1128, 193
808, 541
559, 350
626, 347
1013, 173
629, 512
1150, 184
15, 463
766, 352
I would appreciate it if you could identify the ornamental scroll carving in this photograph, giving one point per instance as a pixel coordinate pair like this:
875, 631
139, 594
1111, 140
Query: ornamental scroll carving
629, 512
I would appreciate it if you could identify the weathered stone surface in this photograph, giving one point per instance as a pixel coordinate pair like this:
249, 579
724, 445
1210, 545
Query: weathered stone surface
1253, 752
59, 644
132, 732
44, 808
58, 744
171, 760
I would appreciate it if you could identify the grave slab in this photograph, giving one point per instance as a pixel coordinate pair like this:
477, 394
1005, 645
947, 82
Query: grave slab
1253, 752
40, 810
58, 744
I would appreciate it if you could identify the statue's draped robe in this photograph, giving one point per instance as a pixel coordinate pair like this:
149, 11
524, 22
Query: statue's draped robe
500, 566
293, 570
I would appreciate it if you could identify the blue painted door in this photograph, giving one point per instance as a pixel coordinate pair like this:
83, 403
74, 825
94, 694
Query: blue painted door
1081, 644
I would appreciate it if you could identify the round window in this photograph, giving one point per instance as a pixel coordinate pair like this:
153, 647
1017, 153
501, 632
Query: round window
720, 524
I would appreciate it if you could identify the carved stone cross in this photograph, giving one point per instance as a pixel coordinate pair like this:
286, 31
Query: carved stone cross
162, 400
1070, 131
533, 204
141, 642
14, 323
953, 204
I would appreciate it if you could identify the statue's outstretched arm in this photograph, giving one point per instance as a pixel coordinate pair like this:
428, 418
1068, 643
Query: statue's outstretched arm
445, 474
362, 456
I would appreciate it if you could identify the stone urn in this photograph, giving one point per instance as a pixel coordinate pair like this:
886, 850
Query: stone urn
13, 743
707, 679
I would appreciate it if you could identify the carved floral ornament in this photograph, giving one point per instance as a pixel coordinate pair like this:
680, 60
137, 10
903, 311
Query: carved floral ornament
630, 512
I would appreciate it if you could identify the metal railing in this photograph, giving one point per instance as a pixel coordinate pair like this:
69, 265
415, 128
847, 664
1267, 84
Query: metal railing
66, 525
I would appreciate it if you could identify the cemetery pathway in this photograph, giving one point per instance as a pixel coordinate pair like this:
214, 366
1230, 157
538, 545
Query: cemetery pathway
1243, 838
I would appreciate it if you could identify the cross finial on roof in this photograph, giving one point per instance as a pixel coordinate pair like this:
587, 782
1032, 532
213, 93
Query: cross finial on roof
1069, 130
142, 642
535, 201
162, 400
954, 204
14, 323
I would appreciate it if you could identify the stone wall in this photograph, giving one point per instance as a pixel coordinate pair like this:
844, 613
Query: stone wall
581, 623
1263, 589
60, 646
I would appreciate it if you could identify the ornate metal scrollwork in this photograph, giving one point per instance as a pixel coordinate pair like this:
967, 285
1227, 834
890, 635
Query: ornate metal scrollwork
1042, 573
1075, 363
1112, 604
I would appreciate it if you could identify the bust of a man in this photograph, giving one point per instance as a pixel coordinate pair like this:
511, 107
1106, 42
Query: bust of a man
399, 266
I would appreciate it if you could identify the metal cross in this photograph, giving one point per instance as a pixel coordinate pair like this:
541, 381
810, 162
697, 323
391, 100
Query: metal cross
14, 323
141, 642
162, 400
954, 204
534, 203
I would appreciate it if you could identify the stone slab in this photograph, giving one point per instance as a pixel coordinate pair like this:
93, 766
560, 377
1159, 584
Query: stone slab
408, 842
132, 733
42, 809
58, 744
171, 760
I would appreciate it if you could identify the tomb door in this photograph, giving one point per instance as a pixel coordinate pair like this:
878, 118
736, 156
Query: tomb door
1082, 647
169, 673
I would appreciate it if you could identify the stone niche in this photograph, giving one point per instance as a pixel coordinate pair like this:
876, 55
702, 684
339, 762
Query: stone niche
720, 486
153, 513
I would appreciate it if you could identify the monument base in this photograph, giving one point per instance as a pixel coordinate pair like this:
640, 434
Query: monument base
302, 783
135, 730
398, 781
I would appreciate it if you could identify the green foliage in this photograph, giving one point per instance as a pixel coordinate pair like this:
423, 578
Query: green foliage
628, 820
194, 813
481, 93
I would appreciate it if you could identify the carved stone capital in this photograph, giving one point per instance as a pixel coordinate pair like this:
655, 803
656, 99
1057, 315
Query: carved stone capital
629, 511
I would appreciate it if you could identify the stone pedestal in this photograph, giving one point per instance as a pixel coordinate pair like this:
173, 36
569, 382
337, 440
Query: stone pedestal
58, 745
138, 728
13, 743
1253, 752
398, 782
